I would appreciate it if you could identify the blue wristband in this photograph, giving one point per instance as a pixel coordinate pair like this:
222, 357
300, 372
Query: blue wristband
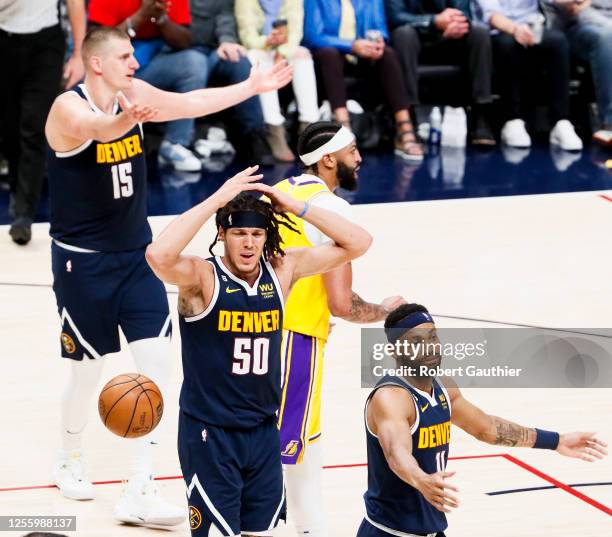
546, 439
306, 207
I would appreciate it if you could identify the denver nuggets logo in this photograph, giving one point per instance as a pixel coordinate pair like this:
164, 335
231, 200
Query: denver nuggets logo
68, 343
291, 448
195, 517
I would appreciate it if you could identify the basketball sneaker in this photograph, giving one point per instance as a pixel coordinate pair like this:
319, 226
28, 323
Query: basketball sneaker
70, 477
141, 503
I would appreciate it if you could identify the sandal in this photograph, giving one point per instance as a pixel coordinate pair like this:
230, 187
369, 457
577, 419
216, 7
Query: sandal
408, 149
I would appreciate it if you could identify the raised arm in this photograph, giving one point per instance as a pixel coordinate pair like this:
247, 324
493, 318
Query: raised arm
501, 432
201, 102
350, 240
164, 254
390, 414
71, 121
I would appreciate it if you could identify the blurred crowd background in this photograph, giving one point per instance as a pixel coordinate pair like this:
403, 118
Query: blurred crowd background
407, 76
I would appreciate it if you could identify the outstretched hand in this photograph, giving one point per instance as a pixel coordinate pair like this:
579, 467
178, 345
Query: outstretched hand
436, 490
138, 113
274, 78
585, 446
244, 180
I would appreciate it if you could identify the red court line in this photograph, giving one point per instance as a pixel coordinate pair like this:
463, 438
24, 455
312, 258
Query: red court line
558, 484
165, 478
607, 198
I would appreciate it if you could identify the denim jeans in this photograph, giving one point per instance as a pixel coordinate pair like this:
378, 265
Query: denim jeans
179, 71
590, 36
220, 72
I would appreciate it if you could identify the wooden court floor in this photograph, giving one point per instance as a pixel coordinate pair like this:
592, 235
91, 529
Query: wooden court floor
535, 260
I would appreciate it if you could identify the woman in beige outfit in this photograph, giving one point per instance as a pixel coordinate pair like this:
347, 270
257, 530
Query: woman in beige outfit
268, 42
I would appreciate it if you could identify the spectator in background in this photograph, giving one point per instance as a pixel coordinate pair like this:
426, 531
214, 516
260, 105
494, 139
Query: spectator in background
441, 32
161, 38
519, 37
588, 26
267, 42
349, 36
32, 49
214, 33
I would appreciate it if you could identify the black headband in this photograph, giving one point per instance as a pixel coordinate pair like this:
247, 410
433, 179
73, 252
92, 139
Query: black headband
405, 324
245, 219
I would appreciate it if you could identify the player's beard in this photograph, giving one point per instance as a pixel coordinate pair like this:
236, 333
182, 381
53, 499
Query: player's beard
347, 176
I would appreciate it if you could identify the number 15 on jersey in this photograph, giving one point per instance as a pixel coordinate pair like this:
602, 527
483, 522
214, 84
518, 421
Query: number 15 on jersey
123, 186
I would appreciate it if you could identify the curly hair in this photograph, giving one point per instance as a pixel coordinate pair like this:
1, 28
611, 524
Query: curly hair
247, 202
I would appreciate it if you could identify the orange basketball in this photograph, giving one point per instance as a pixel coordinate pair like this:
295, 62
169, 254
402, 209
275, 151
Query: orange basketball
130, 405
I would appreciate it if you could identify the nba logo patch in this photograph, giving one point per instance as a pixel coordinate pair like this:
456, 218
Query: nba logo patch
204, 435
69, 266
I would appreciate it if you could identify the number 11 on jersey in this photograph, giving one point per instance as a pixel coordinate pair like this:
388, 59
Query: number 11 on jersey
440, 461
123, 186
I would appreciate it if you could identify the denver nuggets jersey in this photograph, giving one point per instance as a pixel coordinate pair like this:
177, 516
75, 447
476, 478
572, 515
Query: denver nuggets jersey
98, 192
307, 311
231, 351
392, 504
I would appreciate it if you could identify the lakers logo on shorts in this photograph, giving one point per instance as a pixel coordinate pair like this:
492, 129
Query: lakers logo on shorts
68, 343
195, 517
291, 448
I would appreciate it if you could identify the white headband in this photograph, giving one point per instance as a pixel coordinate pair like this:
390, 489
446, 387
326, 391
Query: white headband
339, 141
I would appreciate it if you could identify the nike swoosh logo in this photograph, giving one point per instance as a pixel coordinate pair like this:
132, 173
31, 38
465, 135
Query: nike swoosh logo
424, 408
229, 291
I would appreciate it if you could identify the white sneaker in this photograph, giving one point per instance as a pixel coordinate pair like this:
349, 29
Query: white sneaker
70, 477
454, 127
564, 135
179, 157
514, 134
141, 503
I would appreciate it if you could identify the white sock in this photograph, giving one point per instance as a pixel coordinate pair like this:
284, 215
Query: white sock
304, 497
76, 400
153, 358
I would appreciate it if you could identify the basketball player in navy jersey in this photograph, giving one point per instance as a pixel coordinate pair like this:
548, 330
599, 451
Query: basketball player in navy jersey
231, 320
408, 423
97, 183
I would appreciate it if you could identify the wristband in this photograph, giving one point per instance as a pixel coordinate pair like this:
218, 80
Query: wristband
304, 211
546, 440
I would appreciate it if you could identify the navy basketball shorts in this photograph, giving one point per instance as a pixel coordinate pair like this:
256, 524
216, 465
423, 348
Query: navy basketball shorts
99, 292
368, 530
234, 477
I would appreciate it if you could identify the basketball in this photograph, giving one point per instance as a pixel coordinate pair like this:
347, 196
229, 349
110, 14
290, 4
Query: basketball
130, 405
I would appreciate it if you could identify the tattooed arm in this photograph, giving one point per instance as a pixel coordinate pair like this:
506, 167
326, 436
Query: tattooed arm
486, 428
501, 432
345, 303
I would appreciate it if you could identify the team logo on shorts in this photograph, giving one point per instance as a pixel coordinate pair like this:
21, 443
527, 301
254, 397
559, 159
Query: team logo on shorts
68, 343
195, 517
291, 448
